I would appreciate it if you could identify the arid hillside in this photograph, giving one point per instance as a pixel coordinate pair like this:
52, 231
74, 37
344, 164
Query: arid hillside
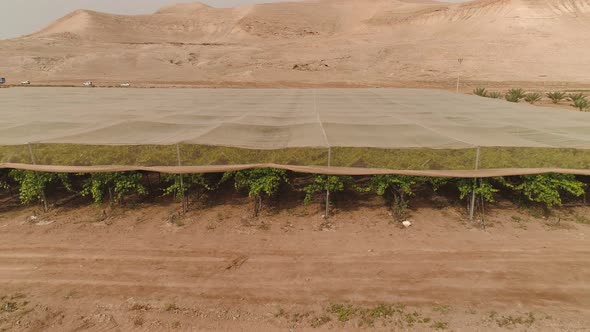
322, 42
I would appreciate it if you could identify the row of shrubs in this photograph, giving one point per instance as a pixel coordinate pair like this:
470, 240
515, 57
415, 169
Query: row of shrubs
579, 100
547, 190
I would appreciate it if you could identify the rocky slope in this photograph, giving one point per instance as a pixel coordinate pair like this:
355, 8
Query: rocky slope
366, 42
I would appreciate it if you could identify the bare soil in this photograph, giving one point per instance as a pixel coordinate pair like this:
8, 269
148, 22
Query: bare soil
146, 267
348, 43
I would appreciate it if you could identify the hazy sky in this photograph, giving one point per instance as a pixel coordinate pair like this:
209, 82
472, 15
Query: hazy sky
20, 17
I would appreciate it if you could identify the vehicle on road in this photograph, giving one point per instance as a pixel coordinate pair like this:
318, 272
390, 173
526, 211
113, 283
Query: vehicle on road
125, 85
25, 83
88, 83
2, 80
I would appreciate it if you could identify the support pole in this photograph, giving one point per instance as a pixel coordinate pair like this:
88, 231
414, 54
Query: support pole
483, 212
473, 190
327, 215
184, 198
472, 204
42, 193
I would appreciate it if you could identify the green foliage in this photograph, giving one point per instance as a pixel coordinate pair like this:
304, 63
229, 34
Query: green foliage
547, 189
117, 185
573, 97
556, 96
515, 95
180, 184
32, 185
533, 97
482, 92
483, 188
262, 181
495, 95
258, 182
582, 104
344, 312
437, 183
3, 179
322, 183
380, 184
400, 187
579, 101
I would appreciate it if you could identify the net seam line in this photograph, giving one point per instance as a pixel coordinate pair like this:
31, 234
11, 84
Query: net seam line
419, 124
540, 130
315, 108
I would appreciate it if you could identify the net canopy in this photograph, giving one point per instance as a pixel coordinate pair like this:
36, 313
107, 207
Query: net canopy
330, 131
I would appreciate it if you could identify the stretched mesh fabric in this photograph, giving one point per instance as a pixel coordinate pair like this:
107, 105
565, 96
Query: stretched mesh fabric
336, 131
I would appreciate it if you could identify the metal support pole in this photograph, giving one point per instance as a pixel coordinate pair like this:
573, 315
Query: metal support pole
184, 199
472, 203
42, 193
327, 215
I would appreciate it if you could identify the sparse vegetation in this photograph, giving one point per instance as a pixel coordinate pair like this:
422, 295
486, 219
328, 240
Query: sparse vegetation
443, 309
171, 307
556, 96
258, 183
367, 316
396, 189
181, 184
582, 104
533, 97
320, 321
32, 185
440, 325
512, 321
343, 312
495, 95
323, 183
515, 95
483, 188
573, 97
547, 189
482, 92
114, 186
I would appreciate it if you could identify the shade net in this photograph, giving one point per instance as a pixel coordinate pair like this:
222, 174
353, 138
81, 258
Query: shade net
332, 131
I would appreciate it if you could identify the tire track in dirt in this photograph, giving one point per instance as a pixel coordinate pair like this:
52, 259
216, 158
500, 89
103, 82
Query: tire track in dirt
410, 276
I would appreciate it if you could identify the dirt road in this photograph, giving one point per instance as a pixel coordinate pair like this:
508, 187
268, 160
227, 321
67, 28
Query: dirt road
218, 269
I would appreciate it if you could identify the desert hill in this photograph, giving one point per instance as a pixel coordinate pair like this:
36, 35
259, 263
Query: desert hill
359, 42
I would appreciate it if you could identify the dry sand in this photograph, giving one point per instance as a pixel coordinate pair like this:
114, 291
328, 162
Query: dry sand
219, 269
315, 43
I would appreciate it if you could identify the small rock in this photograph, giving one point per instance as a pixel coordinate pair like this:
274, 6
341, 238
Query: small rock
406, 223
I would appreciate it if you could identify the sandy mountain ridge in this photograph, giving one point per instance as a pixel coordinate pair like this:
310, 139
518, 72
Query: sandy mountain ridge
350, 41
